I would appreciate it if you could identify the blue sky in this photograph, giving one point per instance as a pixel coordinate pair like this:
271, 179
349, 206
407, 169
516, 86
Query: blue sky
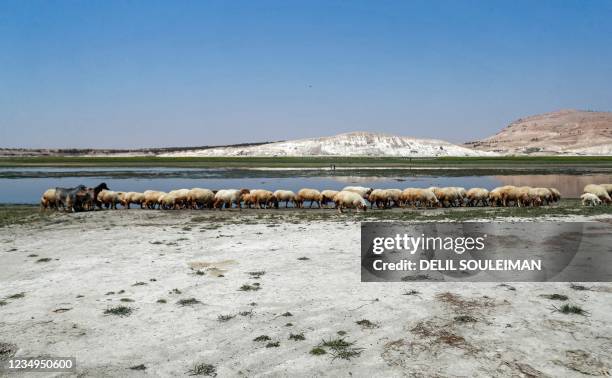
147, 73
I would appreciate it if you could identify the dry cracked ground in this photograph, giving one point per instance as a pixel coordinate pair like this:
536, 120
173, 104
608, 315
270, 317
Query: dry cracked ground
132, 293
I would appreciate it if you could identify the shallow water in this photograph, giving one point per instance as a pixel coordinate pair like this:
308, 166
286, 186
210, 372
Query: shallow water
25, 185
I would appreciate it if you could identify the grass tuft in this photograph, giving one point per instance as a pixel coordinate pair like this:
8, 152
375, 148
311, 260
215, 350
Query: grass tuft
247, 287
273, 344
138, 367
578, 287
126, 300
44, 259
287, 314
297, 336
555, 297
203, 369
121, 311
365, 323
317, 351
188, 302
465, 319
162, 301
262, 338
225, 318
570, 309
16, 296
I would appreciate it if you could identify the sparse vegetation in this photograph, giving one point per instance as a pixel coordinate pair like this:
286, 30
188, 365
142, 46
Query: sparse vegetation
138, 367
317, 351
555, 297
162, 301
121, 311
44, 259
248, 287
139, 284
303, 258
188, 302
3, 303
262, 338
287, 314
365, 323
126, 300
411, 292
273, 344
465, 319
297, 336
16, 296
578, 287
203, 369
246, 313
570, 309
225, 317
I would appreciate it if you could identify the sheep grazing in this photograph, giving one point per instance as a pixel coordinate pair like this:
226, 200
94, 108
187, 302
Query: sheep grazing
327, 196
228, 197
199, 198
608, 188
590, 199
477, 196
48, 200
449, 196
598, 190
135, 198
181, 197
351, 200
312, 195
418, 197
379, 198
261, 197
556, 194
495, 197
109, 198
168, 201
362, 191
151, 198
286, 196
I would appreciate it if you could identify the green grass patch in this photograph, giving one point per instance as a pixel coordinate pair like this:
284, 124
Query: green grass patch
317, 351
570, 309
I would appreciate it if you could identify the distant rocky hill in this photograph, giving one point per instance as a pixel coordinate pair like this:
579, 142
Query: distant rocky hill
350, 144
562, 132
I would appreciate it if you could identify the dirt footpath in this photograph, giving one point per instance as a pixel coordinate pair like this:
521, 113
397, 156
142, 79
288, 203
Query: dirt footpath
176, 293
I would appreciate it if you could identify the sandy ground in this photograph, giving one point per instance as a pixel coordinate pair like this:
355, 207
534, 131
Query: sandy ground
415, 329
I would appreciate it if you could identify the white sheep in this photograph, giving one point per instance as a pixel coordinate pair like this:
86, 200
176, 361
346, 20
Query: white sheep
362, 191
590, 199
351, 200
600, 191
286, 196
227, 197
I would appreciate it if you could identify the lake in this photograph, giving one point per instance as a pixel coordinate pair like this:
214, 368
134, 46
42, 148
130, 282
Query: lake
25, 185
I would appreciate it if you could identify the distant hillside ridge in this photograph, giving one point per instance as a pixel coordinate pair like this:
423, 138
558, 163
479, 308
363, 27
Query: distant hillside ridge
348, 144
573, 132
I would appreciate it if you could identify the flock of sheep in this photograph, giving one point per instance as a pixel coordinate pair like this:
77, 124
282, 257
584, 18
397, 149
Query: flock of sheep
82, 198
